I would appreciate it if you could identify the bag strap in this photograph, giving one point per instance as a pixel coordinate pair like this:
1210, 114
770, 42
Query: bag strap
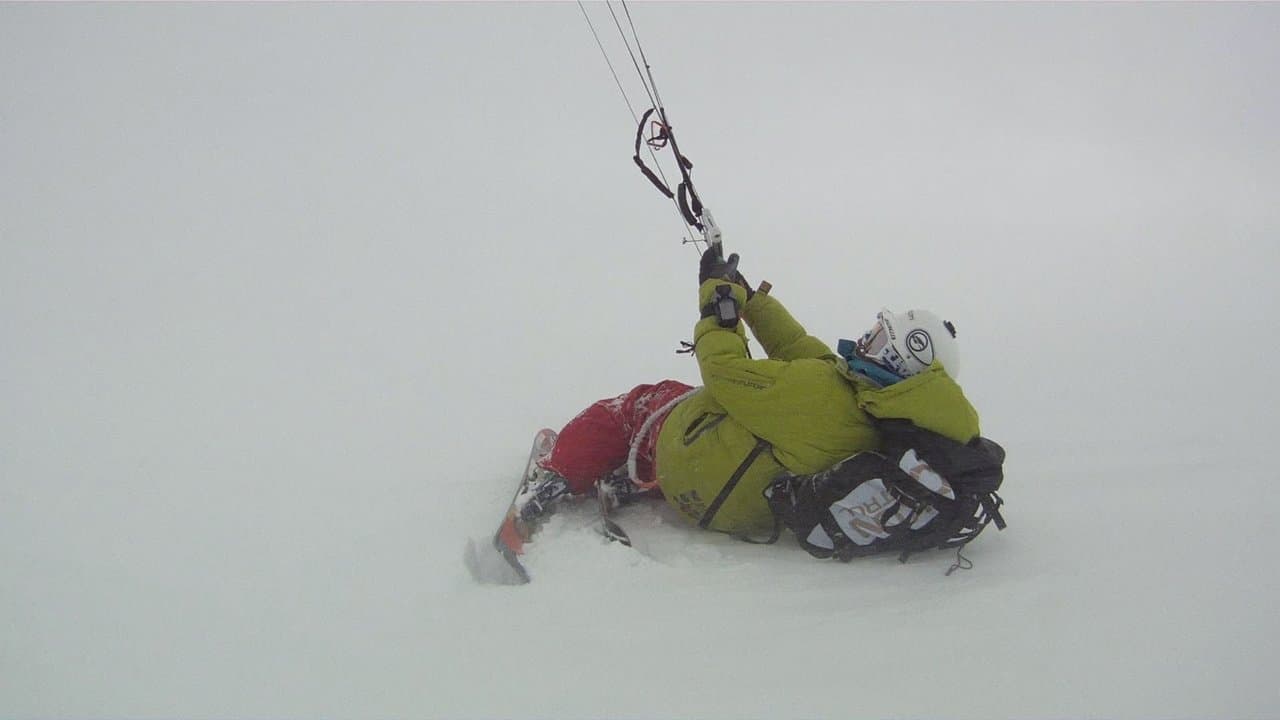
760, 446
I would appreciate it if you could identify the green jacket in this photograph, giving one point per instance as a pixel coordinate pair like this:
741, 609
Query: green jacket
800, 411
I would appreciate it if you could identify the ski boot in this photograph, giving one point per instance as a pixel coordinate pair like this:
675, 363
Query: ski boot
613, 491
537, 500
616, 490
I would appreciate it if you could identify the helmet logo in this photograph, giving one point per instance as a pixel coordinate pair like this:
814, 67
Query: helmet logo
920, 345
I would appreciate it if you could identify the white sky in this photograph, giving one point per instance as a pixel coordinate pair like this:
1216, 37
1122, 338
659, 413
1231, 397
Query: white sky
257, 258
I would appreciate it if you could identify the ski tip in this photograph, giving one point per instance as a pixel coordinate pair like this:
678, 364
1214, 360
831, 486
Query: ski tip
490, 566
518, 576
614, 532
509, 537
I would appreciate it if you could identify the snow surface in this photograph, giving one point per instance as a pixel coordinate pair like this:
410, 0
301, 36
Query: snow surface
285, 291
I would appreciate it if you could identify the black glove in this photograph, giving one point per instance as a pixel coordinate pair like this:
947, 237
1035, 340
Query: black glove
713, 265
739, 279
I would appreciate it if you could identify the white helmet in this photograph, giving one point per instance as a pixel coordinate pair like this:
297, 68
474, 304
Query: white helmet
908, 343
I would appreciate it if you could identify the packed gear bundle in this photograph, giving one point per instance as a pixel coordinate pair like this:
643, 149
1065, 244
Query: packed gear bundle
921, 491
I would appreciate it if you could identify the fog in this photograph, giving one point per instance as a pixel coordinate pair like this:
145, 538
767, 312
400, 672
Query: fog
285, 290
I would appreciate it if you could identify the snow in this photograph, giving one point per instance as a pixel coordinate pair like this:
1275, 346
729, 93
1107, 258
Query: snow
285, 291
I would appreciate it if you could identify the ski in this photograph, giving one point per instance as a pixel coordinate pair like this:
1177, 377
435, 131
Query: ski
609, 501
513, 532
498, 562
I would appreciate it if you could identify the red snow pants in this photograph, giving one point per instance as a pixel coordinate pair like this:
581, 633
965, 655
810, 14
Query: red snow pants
599, 439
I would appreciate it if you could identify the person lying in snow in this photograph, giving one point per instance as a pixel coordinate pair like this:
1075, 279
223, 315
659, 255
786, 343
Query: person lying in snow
873, 447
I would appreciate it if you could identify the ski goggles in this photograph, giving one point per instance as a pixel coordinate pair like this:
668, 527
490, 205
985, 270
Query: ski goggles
874, 346
872, 342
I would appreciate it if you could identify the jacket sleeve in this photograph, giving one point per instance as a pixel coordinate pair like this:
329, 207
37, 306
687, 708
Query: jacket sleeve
738, 383
781, 336
931, 400
807, 412
709, 336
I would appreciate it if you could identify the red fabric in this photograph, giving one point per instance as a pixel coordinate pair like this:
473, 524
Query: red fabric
597, 441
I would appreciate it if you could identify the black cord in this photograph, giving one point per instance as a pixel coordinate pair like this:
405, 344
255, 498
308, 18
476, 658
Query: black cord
961, 563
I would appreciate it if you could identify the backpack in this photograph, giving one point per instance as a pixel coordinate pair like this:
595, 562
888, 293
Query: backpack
920, 491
